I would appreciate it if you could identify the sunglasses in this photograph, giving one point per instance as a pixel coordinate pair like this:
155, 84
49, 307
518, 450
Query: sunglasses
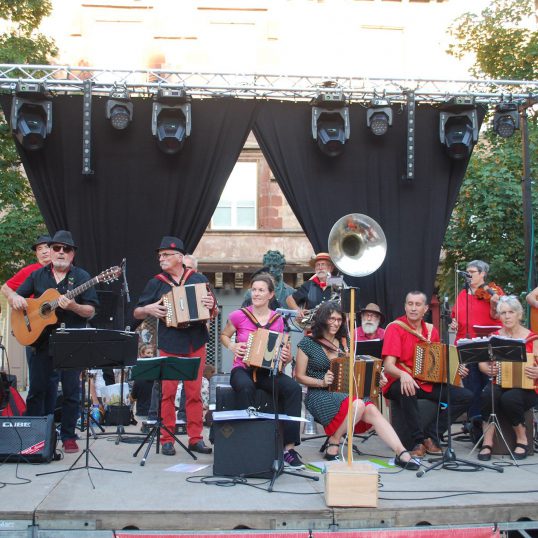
65, 248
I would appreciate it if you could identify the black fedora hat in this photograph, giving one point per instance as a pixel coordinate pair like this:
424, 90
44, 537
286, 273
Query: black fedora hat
64, 238
169, 242
41, 240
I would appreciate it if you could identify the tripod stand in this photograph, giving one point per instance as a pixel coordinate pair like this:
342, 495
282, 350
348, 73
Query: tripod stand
449, 460
90, 348
159, 369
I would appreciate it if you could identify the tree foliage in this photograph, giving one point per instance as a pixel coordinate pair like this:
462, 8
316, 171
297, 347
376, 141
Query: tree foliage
487, 222
20, 219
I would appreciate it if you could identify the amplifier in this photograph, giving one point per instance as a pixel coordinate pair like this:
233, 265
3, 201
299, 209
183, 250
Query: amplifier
27, 439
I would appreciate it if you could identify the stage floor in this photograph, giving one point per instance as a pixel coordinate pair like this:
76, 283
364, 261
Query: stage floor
151, 497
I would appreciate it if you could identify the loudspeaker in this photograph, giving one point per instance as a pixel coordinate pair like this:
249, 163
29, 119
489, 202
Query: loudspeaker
245, 447
27, 439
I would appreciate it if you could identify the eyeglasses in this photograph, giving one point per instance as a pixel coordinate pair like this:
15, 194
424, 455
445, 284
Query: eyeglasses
65, 248
335, 320
167, 254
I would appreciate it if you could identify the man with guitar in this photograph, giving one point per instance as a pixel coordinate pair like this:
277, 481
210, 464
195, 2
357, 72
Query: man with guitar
184, 341
60, 276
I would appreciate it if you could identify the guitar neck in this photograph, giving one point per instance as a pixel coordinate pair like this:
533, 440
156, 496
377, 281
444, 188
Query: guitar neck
71, 294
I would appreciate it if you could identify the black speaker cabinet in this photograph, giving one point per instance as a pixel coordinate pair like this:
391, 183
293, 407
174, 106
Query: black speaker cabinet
245, 447
27, 439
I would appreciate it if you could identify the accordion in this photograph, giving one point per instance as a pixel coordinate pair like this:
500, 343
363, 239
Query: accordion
430, 361
511, 375
262, 348
366, 376
184, 305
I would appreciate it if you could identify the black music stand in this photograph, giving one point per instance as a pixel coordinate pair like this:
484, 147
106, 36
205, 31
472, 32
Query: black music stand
160, 369
496, 349
83, 349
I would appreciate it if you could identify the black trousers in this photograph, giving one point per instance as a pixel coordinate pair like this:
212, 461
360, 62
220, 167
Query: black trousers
512, 403
460, 398
289, 396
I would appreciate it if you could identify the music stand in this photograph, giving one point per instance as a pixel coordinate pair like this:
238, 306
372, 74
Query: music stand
84, 349
496, 349
160, 369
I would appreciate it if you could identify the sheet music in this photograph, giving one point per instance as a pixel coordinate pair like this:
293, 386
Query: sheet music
244, 414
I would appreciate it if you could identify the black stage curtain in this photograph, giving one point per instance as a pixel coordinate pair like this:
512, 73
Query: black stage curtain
137, 193
367, 178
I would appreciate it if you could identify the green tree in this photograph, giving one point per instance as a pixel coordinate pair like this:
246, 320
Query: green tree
487, 222
20, 219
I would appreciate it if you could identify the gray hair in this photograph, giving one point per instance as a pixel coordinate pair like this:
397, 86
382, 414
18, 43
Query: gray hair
481, 266
417, 292
193, 260
512, 301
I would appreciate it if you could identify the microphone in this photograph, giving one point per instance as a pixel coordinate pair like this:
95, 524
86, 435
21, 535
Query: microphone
286, 312
463, 273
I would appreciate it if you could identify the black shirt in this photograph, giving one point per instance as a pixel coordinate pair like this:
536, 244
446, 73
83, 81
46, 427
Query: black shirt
43, 279
175, 339
310, 294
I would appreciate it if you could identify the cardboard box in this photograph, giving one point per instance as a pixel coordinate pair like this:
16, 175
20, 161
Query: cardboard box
351, 485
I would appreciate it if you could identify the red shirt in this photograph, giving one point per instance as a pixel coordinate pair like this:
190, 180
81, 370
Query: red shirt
479, 314
18, 278
361, 336
401, 344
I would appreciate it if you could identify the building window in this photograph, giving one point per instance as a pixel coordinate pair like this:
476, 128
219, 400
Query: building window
237, 206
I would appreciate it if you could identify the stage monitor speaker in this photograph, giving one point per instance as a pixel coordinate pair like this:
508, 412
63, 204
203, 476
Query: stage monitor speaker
245, 447
27, 439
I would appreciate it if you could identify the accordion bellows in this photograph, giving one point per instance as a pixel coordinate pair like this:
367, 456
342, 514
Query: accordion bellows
262, 348
184, 305
366, 376
430, 361
512, 374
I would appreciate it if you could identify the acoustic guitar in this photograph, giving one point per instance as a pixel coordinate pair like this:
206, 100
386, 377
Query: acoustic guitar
28, 324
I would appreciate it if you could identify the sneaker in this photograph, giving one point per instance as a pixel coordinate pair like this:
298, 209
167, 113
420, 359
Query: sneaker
291, 459
70, 446
168, 449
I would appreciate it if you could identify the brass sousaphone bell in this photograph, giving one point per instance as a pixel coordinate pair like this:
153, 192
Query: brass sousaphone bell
357, 245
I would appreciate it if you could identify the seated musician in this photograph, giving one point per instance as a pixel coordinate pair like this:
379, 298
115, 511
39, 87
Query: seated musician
371, 318
511, 402
246, 379
401, 337
330, 409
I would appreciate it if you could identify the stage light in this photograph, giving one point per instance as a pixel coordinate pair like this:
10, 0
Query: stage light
31, 115
379, 116
330, 123
119, 109
458, 127
171, 120
506, 119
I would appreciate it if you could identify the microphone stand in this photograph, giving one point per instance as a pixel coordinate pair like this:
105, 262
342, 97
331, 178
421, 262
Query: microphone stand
277, 467
449, 460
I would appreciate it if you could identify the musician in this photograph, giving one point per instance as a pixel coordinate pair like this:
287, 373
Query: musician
62, 275
190, 262
481, 302
515, 401
315, 290
245, 379
187, 341
314, 355
371, 317
273, 263
401, 337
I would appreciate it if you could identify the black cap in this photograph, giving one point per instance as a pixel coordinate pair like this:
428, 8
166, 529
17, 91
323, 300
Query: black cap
64, 238
172, 243
40, 240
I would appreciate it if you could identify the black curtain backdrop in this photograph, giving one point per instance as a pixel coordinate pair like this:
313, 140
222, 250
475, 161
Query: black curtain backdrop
137, 193
367, 178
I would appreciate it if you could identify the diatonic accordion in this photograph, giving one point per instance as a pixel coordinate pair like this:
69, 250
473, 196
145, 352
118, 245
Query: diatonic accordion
184, 305
262, 348
366, 376
430, 361
511, 375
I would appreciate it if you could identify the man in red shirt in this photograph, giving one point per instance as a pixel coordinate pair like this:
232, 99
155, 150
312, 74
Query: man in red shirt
371, 317
401, 337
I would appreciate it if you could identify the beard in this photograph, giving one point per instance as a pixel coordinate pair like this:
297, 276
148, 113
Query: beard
369, 327
61, 265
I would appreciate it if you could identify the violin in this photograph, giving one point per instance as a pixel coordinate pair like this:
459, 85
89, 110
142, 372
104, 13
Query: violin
486, 291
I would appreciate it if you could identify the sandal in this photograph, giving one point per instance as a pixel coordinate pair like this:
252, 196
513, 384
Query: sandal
331, 457
410, 465
520, 455
486, 456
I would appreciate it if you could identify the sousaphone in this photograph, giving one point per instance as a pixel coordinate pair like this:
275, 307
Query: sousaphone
357, 245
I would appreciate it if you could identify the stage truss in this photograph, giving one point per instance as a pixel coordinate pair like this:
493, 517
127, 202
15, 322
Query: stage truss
146, 83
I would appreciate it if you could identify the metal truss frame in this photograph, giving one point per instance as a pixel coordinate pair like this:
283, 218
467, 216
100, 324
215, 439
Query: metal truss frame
143, 83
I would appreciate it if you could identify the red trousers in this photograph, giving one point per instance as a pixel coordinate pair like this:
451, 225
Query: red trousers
193, 401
